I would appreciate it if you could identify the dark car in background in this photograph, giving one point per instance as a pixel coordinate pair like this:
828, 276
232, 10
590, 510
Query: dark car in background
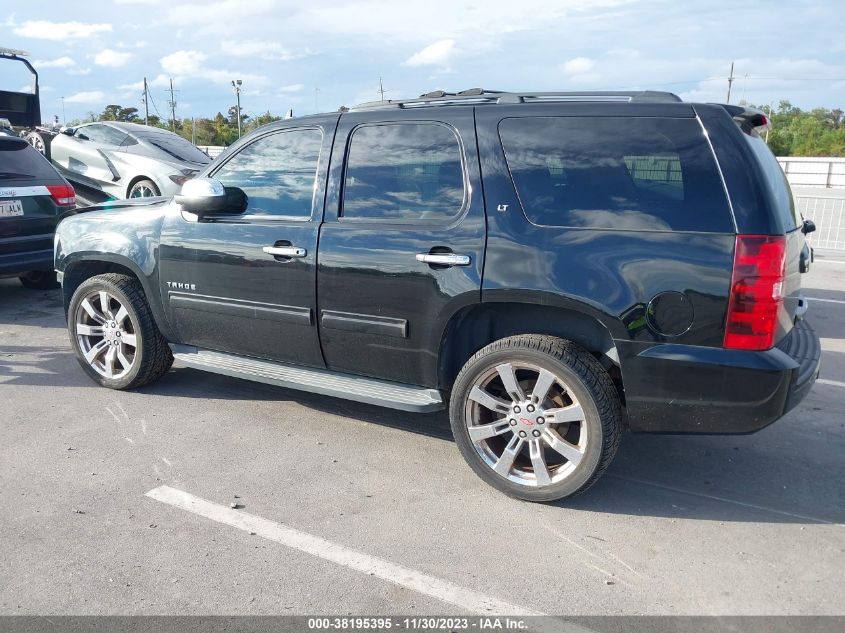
33, 198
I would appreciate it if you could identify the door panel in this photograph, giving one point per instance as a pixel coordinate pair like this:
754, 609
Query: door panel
222, 289
382, 311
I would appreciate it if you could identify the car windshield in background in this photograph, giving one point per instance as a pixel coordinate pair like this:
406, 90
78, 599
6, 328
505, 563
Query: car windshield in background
177, 147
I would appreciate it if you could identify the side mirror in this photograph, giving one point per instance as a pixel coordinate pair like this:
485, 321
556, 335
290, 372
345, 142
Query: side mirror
70, 131
808, 227
207, 196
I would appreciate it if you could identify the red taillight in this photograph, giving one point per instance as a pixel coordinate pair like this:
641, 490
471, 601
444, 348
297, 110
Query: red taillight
756, 292
63, 195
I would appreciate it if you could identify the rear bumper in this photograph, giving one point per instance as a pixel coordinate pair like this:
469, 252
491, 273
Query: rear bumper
24, 254
687, 389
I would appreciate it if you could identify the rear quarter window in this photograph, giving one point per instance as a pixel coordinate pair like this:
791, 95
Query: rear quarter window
624, 173
19, 161
776, 182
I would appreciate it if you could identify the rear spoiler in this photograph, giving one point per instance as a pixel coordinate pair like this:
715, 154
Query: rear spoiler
749, 118
22, 109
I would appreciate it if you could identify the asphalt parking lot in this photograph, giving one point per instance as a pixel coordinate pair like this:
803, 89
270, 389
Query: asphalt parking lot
370, 511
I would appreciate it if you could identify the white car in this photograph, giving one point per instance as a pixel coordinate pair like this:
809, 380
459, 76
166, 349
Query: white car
123, 160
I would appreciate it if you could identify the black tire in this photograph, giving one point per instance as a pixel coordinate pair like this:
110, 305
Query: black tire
144, 183
39, 280
152, 356
586, 380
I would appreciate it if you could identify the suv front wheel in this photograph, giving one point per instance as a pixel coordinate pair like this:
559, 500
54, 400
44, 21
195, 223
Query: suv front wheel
114, 335
536, 417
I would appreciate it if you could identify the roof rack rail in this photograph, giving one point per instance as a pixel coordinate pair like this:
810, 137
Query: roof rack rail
474, 96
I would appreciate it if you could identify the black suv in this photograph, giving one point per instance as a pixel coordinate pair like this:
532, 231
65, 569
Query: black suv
33, 198
553, 267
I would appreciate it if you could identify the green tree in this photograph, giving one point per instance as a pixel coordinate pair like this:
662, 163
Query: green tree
118, 113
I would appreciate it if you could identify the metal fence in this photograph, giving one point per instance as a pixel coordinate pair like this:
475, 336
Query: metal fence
806, 171
828, 214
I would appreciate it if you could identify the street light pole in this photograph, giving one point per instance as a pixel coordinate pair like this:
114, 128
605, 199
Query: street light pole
237, 86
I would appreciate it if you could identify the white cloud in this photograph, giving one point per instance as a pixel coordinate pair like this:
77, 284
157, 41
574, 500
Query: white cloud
93, 96
437, 54
191, 65
183, 62
292, 88
578, 65
263, 50
79, 71
160, 81
111, 58
59, 62
46, 30
216, 17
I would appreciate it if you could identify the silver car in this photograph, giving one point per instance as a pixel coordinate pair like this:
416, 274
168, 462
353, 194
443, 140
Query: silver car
126, 160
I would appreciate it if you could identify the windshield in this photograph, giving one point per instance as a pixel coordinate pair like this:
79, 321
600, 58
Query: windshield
177, 147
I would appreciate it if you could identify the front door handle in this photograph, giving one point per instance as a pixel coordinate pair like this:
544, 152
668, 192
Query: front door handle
285, 251
443, 259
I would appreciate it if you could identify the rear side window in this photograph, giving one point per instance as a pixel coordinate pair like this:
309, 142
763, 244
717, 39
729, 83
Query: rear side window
403, 171
19, 161
776, 182
616, 173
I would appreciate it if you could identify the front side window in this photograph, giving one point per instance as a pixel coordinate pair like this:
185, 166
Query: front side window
277, 172
103, 134
403, 172
632, 173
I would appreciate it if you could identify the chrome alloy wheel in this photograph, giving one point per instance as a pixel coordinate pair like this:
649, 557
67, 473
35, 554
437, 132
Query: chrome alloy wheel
37, 142
526, 424
106, 335
142, 191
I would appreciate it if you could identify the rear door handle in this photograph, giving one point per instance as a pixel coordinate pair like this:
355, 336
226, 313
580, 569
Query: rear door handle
444, 259
285, 251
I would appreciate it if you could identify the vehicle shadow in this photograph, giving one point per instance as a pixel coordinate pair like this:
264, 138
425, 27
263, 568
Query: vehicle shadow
751, 478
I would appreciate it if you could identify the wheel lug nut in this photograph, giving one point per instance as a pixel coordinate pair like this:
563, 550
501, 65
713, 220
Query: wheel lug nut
522, 434
516, 409
530, 408
535, 433
540, 420
513, 422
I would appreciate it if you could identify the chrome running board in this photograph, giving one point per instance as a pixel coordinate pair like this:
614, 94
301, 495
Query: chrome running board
359, 388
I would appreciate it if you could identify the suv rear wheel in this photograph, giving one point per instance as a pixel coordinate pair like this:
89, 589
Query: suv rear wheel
113, 333
536, 417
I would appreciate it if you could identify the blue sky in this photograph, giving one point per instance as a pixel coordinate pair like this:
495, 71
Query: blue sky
94, 54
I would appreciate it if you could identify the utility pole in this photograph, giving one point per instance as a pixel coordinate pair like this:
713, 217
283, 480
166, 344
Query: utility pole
64, 116
237, 86
172, 104
316, 99
146, 104
381, 89
193, 131
730, 81
770, 123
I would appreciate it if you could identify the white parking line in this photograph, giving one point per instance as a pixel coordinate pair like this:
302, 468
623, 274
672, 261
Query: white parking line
819, 260
825, 300
443, 590
832, 383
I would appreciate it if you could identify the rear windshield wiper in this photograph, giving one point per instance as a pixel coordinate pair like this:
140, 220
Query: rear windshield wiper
12, 174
